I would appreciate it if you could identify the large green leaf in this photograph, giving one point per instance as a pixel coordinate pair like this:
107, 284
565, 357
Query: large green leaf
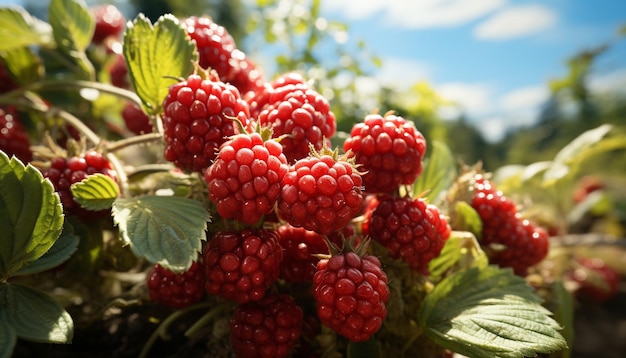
156, 55
19, 29
34, 315
167, 230
23, 65
461, 251
489, 312
438, 174
62, 249
8, 338
96, 192
31, 215
72, 24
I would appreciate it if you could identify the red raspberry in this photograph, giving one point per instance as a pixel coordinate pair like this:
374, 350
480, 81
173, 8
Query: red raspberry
241, 266
198, 118
109, 22
388, 149
260, 98
63, 172
7, 83
597, 281
351, 293
244, 181
137, 121
266, 329
214, 43
321, 193
301, 250
118, 71
176, 290
13, 137
298, 111
510, 240
411, 229
244, 74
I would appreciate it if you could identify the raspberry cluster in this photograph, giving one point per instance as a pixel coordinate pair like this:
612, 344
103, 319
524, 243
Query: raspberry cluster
13, 137
176, 290
511, 241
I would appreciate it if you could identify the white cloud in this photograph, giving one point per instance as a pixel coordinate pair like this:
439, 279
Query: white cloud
416, 14
516, 21
402, 72
472, 98
609, 82
524, 98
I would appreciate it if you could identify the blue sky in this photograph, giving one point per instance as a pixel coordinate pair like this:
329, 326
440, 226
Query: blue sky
492, 57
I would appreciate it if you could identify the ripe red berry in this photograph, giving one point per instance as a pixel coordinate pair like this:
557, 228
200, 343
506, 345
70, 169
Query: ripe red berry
261, 97
269, 328
214, 43
244, 74
109, 22
303, 115
510, 241
351, 293
118, 72
411, 229
597, 282
13, 137
244, 180
321, 193
389, 149
176, 290
241, 266
63, 172
198, 118
136, 120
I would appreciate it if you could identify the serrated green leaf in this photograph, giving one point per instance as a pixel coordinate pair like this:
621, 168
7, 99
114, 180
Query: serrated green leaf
8, 337
35, 315
31, 215
62, 249
461, 251
24, 66
19, 29
438, 173
156, 55
72, 24
465, 218
96, 192
489, 312
368, 349
167, 230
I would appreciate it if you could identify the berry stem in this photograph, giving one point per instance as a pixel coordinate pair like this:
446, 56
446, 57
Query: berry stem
208, 317
69, 84
135, 140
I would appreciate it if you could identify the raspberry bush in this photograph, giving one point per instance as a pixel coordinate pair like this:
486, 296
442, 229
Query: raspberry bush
161, 186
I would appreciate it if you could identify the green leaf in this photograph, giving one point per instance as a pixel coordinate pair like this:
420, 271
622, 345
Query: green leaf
438, 173
35, 315
561, 165
461, 251
156, 55
72, 24
24, 66
62, 249
489, 312
31, 215
167, 230
465, 218
19, 29
368, 349
96, 192
8, 337
564, 314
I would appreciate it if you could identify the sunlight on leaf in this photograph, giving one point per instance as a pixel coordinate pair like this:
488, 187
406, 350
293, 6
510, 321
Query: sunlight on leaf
63, 248
19, 29
461, 251
96, 192
438, 173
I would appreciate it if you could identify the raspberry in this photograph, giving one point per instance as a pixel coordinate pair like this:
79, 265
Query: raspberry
351, 293
136, 120
301, 250
214, 43
118, 71
244, 74
109, 22
7, 83
597, 281
260, 98
321, 193
198, 119
411, 229
63, 172
241, 266
511, 241
389, 149
268, 328
176, 290
298, 111
13, 137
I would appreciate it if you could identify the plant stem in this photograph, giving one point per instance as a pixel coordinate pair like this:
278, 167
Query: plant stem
208, 317
130, 141
102, 87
